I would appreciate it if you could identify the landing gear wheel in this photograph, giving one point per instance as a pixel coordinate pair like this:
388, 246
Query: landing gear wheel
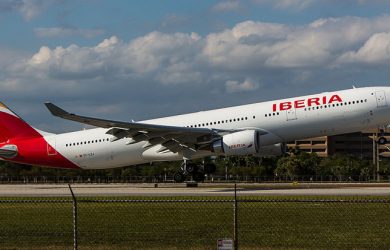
191, 168
382, 140
210, 168
198, 176
178, 177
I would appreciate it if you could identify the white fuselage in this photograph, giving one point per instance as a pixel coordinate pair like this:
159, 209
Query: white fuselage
284, 120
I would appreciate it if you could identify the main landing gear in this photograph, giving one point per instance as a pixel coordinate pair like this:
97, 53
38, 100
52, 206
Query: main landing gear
382, 139
197, 171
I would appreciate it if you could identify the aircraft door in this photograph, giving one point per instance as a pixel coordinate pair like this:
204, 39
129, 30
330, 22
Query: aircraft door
51, 146
380, 98
291, 114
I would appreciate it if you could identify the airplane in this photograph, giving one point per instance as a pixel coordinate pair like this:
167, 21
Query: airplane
259, 129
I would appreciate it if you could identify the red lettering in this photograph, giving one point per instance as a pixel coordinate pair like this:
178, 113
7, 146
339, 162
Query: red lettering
335, 98
312, 101
285, 106
299, 104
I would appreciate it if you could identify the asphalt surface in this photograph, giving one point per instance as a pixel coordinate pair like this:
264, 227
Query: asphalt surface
285, 189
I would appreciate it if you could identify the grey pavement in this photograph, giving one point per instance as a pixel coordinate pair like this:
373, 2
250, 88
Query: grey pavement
92, 190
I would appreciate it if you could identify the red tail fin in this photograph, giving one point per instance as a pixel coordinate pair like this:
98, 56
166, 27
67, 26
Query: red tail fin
13, 127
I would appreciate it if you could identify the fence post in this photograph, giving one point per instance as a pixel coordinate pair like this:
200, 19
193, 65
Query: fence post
235, 208
75, 244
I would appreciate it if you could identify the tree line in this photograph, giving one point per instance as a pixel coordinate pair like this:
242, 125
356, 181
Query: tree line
287, 167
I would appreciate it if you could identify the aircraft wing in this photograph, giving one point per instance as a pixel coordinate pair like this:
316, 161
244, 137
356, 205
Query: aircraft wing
171, 138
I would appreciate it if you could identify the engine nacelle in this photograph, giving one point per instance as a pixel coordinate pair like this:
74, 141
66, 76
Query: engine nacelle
239, 143
272, 150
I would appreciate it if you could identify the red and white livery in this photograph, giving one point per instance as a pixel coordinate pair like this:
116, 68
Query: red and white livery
257, 129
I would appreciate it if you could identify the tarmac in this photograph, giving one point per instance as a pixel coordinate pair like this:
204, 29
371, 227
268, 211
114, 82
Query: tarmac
203, 189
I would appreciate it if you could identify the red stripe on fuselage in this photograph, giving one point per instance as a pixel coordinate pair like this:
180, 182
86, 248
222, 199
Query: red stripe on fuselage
34, 151
32, 147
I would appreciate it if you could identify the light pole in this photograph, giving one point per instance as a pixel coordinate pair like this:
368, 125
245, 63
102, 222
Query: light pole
375, 155
378, 177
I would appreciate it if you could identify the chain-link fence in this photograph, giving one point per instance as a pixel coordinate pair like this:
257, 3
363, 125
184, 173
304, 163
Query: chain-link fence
195, 223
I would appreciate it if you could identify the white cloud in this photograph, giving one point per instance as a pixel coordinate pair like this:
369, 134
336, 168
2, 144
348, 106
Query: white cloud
299, 5
226, 6
193, 69
42, 56
375, 51
247, 51
55, 32
246, 48
286, 4
27, 8
236, 86
259, 45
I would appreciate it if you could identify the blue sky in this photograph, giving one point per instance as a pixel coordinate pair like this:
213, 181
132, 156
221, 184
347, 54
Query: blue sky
144, 59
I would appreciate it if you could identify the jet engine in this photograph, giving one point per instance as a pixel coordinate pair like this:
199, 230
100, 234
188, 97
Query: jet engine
239, 143
246, 142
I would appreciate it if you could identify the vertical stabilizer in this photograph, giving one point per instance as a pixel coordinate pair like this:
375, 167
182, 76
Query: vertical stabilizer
13, 127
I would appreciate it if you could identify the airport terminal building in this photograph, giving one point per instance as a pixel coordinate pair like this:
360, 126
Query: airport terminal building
361, 144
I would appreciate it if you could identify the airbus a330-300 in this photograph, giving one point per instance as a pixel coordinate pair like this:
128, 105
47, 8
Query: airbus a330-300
259, 129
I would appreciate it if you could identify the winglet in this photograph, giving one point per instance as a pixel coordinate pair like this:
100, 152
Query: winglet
55, 110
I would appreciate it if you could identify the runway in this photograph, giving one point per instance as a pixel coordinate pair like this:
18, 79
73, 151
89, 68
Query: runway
94, 190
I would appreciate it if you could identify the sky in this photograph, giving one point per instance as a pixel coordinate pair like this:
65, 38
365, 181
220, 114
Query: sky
135, 60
